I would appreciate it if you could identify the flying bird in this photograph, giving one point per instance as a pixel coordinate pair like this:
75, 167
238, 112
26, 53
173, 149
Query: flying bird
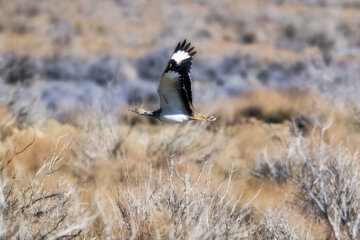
175, 89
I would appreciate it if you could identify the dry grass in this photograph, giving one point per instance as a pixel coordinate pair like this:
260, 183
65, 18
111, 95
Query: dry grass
237, 178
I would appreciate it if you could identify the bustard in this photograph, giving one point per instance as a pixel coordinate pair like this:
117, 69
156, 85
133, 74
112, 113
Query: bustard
175, 89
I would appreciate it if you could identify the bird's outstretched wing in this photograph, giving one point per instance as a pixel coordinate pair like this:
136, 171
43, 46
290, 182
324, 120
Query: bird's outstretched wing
175, 84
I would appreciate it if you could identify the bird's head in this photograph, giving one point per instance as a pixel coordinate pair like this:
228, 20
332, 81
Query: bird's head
141, 111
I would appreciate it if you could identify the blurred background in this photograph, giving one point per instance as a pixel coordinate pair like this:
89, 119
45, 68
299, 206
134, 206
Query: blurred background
59, 56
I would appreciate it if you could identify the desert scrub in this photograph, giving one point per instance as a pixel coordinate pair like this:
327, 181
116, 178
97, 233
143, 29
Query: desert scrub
172, 195
176, 206
36, 210
330, 184
327, 177
275, 226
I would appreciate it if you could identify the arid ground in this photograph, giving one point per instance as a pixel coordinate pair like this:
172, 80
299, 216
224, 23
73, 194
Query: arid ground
280, 162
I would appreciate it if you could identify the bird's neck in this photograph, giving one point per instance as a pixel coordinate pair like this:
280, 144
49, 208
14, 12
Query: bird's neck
156, 113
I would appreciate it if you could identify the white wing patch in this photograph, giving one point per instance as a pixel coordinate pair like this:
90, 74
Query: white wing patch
179, 56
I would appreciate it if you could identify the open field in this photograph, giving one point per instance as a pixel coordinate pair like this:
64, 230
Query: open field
280, 162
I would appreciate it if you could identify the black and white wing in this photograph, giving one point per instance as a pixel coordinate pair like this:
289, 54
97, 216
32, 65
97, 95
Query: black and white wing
175, 83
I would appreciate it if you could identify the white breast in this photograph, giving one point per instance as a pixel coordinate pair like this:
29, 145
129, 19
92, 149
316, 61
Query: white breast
174, 118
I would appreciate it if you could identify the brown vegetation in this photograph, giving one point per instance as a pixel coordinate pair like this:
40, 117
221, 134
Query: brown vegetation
236, 177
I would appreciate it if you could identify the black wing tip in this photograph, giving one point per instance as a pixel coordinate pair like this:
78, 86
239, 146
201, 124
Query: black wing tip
185, 46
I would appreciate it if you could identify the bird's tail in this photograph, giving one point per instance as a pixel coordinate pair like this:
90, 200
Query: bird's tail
201, 117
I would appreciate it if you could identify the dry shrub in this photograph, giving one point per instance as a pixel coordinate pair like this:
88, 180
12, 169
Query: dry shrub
275, 226
181, 207
327, 176
99, 135
272, 170
33, 211
183, 199
330, 182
